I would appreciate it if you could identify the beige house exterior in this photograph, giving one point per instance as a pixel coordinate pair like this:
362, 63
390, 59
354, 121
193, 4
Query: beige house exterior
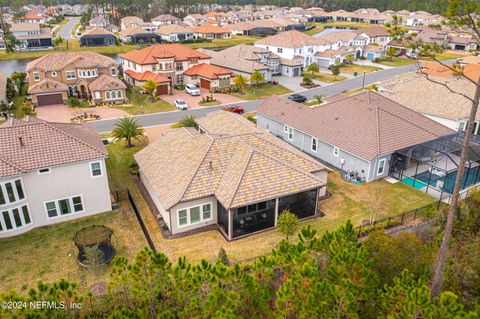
87, 75
50, 173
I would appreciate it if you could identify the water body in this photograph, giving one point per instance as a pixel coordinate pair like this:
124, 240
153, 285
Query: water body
10, 66
329, 30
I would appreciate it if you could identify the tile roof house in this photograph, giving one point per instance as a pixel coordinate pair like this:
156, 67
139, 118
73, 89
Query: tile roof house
195, 20
356, 133
34, 16
209, 76
170, 60
49, 173
31, 36
138, 35
88, 75
165, 19
246, 59
97, 36
375, 35
130, 22
208, 31
174, 33
229, 176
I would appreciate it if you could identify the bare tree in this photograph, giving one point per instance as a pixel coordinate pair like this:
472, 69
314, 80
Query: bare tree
375, 202
463, 16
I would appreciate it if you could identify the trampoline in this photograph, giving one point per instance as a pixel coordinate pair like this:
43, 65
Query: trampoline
91, 236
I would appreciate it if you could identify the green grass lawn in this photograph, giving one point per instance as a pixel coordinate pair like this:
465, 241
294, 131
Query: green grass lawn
319, 26
140, 104
396, 61
326, 77
261, 91
222, 43
444, 56
352, 68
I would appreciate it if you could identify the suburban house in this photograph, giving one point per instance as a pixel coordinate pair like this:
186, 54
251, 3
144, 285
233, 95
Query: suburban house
208, 76
245, 59
294, 45
87, 75
228, 176
34, 16
253, 28
169, 60
98, 21
195, 20
31, 36
174, 33
211, 32
138, 35
130, 22
97, 37
375, 35
50, 173
463, 43
357, 133
139, 79
165, 19
451, 110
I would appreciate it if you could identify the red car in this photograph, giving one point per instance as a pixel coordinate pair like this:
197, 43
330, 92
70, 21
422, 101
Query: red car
234, 109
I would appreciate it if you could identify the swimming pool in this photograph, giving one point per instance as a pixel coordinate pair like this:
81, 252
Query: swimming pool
414, 183
470, 177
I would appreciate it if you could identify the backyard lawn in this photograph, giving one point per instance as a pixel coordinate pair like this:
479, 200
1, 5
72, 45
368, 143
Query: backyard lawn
348, 202
140, 104
48, 253
261, 91
352, 68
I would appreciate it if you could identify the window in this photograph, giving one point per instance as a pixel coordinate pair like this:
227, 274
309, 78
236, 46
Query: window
96, 169
194, 215
114, 72
119, 94
36, 77
43, 171
54, 74
14, 218
314, 144
107, 95
114, 95
290, 133
154, 67
462, 126
64, 206
381, 166
279, 50
97, 95
179, 78
336, 151
11, 192
285, 128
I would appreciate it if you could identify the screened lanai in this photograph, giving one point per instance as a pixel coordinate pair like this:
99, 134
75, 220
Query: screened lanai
432, 166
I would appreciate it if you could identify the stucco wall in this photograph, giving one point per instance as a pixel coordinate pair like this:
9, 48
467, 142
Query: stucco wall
174, 214
62, 182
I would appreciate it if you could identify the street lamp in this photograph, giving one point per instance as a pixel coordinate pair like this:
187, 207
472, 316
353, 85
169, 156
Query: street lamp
363, 80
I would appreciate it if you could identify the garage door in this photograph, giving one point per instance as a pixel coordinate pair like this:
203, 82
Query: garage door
50, 99
296, 72
205, 84
162, 89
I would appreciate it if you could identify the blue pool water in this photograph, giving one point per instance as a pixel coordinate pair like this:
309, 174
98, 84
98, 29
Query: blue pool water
470, 177
411, 182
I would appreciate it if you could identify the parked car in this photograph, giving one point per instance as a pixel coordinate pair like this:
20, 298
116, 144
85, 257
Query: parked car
180, 104
192, 90
297, 98
234, 109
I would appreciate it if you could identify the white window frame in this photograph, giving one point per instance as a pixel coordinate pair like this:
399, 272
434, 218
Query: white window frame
291, 133
91, 169
57, 206
46, 170
12, 219
316, 144
189, 223
336, 151
36, 76
462, 123
69, 74
384, 161
113, 72
3, 188
285, 128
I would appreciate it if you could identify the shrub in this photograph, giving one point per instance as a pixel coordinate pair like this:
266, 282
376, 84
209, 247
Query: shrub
73, 102
179, 86
384, 224
223, 257
306, 80
287, 223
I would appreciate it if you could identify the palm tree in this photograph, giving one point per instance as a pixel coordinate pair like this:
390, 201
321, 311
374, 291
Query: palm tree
257, 77
319, 98
187, 121
127, 129
150, 86
313, 68
240, 81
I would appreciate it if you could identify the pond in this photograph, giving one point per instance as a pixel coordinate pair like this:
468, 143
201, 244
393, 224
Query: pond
10, 66
329, 30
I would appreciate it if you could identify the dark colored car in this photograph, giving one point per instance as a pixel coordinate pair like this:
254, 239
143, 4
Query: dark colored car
297, 98
234, 109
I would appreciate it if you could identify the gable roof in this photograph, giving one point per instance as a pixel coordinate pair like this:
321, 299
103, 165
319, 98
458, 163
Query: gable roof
106, 82
47, 85
366, 124
150, 54
32, 144
291, 39
236, 168
208, 71
374, 31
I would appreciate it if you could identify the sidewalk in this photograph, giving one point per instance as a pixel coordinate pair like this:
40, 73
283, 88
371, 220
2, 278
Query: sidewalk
370, 63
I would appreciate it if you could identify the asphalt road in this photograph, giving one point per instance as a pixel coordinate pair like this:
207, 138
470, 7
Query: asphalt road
327, 90
66, 30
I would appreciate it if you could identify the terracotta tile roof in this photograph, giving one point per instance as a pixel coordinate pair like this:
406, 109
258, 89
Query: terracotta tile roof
366, 124
97, 20
133, 30
147, 75
329, 53
338, 36
106, 82
47, 85
241, 57
97, 31
238, 169
33, 144
375, 31
131, 19
291, 39
166, 17
291, 62
58, 61
24, 26
471, 71
150, 54
208, 71
409, 90
171, 29
208, 28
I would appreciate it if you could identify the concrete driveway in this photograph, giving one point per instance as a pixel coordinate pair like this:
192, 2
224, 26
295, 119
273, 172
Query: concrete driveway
292, 82
193, 101
66, 29
62, 113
